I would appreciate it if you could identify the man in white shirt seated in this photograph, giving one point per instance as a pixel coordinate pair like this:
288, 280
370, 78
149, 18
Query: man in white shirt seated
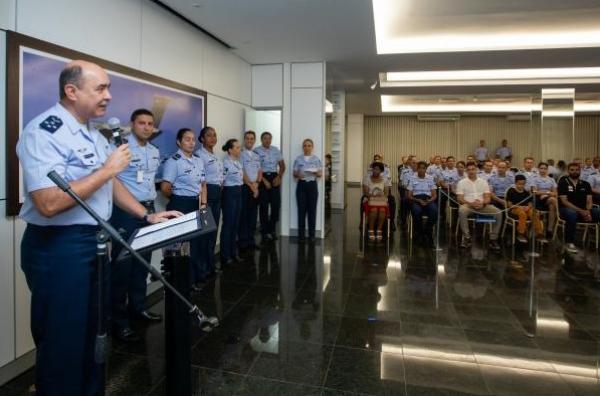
504, 152
473, 194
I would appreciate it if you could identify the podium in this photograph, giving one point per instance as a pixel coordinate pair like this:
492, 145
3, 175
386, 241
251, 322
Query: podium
173, 237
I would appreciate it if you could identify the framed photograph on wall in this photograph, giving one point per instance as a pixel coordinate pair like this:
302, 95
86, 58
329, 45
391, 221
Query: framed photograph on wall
33, 68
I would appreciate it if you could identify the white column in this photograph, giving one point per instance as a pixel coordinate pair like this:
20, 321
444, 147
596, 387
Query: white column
354, 148
303, 117
338, 132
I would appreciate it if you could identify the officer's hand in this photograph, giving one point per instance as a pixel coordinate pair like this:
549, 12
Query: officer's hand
118, 160
161, 217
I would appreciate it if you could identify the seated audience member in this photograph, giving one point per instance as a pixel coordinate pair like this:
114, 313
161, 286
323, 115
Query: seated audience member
446, 179
528, 171
588, 169
520, 202
470, 158
487, 171
443, 163
575, 200
504, 152
499, 183
387, 175
594, 181
546, 195
376, 189
435, 167
422, 195
481, 152
461, 173
552, 171
473, 194
408, 173
561, 170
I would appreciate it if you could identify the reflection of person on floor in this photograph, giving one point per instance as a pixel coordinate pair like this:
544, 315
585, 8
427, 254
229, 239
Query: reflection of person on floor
376, 189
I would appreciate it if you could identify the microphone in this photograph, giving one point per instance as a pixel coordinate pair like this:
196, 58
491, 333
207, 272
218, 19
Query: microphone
59, 181
115, 126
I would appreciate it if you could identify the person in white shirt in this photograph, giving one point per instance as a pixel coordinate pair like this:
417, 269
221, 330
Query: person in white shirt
488, 170
473, 194
481, 152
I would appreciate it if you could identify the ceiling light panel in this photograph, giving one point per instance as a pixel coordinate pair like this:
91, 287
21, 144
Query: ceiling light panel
550, 76
411, 26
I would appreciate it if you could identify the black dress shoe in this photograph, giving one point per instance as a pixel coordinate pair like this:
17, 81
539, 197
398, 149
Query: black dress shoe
126, 335
148, 316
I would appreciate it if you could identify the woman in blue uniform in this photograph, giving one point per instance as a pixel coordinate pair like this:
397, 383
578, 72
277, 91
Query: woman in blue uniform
307, 168
183, 183
213, 168
232, 200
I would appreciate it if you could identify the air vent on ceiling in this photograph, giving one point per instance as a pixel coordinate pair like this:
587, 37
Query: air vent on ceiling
433, 117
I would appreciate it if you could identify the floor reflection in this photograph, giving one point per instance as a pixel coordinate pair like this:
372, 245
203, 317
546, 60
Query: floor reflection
346, 315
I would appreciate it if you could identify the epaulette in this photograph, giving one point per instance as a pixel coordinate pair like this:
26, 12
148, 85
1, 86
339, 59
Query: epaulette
176, 156
51, 124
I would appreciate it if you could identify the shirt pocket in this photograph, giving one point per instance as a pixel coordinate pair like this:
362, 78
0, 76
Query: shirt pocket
153, 164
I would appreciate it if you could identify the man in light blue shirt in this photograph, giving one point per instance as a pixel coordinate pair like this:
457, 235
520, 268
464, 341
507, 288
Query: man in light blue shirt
499, 183
250, 193
481, 152
504, 152
422, 195
58, 249
128, 279
273, 167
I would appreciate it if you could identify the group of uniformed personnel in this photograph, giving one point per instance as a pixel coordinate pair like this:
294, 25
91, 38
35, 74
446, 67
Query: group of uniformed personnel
59, 244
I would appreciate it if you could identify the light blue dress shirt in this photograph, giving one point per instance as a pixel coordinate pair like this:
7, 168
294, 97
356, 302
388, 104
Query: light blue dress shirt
251, 164
421, 186
503, 152
55, 140
139, 176
499, 184
213, 166
269, 158
543, 184
186, 174
301, 163
233, 172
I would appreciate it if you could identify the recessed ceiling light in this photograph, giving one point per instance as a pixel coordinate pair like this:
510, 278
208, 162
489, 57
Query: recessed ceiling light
403, 104
553, 75
408, 26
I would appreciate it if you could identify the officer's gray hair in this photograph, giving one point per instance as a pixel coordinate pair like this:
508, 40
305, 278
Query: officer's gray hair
70, 75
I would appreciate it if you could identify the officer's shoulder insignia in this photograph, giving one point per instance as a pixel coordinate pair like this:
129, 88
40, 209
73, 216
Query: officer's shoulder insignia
176, 156
51, 124
152, 145
196, 155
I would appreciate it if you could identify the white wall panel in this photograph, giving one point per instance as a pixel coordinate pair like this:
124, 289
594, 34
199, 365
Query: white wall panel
23, 340
355, 136
7, 296
225, 74
267, 85
7, 14
226, 117
171, 48
307, 75
109, 29
2, 120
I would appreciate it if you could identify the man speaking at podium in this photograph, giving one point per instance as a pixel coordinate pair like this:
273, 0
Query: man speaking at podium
58, 250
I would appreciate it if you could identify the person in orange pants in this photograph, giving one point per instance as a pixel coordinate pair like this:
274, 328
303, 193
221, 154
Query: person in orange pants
520, 202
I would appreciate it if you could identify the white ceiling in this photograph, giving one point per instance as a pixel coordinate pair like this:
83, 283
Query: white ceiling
342, 33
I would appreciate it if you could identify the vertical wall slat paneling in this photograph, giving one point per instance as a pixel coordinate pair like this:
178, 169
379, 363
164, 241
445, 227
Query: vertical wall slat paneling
398, 136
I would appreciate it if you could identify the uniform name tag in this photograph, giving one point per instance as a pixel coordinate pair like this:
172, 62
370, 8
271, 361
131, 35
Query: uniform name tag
139, 176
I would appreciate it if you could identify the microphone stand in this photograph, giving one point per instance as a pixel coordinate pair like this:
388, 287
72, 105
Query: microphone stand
206, 323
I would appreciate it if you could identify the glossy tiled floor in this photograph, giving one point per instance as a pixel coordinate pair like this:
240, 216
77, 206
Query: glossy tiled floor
339, 317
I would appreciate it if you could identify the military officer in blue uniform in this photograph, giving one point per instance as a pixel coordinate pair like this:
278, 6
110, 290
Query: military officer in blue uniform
128, 278
307, 168
250, 193
58, 249
422, 195
183, 182
233, 179
499, 183
273, 167
213, 168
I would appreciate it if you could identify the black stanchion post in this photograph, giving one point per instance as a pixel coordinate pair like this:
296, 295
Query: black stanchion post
177, 323
439, 210
101, 347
